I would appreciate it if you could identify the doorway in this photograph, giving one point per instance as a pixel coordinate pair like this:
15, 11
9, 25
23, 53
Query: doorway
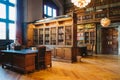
109, 38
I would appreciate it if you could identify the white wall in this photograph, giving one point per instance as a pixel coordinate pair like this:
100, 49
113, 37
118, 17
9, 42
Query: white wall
33, 10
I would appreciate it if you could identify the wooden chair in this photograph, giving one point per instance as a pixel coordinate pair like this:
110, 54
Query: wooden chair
40, 58
90, 49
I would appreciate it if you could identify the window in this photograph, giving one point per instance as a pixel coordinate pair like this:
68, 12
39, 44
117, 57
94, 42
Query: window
50, 9
54, 13
49, 12
7, 19
12, 1
2, 30
12, 13
45, 11
12, 31
2, 11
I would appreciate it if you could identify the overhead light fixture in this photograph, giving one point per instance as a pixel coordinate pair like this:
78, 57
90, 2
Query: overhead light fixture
80, 3
105, 22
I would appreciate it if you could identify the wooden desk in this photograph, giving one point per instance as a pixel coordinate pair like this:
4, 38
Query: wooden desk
23, 60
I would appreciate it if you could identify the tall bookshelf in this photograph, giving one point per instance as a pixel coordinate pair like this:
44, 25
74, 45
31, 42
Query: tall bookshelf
86, 37
58, 34
86, 34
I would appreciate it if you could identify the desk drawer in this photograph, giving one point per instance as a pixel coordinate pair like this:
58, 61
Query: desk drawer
23, 60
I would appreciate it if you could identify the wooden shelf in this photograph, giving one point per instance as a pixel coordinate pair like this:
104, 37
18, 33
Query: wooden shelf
59, 32
86, 34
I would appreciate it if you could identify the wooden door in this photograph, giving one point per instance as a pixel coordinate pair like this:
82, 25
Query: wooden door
109, 38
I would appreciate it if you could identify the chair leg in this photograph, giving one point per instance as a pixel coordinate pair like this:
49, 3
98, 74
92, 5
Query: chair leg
37, 66
50, 64
41, 65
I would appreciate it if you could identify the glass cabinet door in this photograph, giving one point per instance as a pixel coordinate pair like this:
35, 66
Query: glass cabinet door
80, 35
35, 34
61, 35
47, 36
68, 35
41, 36
53, 36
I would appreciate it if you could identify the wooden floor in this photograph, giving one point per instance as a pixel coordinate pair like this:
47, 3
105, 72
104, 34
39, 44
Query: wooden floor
98, 67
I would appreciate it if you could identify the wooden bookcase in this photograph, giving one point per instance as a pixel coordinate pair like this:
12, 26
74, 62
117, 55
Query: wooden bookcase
86, 36
58, 34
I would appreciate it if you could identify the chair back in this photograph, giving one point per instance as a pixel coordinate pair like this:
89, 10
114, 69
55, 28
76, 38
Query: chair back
89, 47
41, 51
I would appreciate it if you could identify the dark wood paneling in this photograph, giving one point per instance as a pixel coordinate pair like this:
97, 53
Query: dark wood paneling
109, 40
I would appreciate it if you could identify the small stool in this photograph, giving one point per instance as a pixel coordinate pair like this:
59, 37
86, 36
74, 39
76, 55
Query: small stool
79, 58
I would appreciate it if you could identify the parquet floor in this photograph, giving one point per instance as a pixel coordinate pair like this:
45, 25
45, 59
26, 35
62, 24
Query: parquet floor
97, 67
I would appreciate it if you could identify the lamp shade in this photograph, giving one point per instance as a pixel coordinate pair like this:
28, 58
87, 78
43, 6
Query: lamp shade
105, 22
80, 3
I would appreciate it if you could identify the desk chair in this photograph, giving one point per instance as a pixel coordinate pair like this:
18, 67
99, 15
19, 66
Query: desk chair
90, 49
40, 58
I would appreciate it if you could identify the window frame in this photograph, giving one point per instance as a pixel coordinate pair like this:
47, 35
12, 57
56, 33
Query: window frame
52, 5
6, 20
